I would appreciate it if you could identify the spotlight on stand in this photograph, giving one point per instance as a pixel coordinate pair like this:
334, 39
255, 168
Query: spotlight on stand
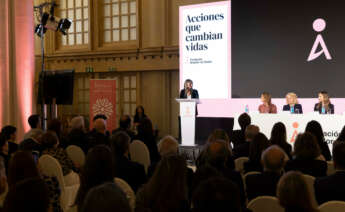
51, 22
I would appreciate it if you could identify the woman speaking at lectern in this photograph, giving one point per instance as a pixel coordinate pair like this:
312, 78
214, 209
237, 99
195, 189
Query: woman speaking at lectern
188, 92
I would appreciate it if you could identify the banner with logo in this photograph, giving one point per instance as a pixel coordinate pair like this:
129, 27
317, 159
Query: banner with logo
103, 101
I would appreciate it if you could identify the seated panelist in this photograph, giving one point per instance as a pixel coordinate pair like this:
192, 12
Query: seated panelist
292, 104
267, 106
324, 106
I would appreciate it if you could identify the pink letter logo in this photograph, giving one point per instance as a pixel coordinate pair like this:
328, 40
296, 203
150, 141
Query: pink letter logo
319, 25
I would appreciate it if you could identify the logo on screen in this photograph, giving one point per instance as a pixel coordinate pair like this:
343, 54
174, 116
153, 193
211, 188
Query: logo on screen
319, 25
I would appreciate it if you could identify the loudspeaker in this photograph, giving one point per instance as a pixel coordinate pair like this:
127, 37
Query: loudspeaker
56, 84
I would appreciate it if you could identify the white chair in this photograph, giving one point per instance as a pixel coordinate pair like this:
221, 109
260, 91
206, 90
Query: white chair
330, 168
76, 154
140, 153
126, 188
264, 204
239, 163
310, 183
332, 206
52, 168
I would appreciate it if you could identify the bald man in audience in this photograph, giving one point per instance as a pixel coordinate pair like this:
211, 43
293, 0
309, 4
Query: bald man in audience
333, 187
265, 184
242, 150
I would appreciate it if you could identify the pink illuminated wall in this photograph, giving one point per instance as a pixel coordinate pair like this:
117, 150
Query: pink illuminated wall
24, 61
16, 63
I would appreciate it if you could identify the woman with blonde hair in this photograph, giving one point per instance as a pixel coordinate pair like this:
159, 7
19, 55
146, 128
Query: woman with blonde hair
267, 106
324, 106
292, 104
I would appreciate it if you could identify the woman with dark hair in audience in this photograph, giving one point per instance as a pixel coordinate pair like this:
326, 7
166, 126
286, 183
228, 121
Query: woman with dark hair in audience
23, 167
257, 146
10, 133
315, 128
132, 172
50, 144
146, 135
30, 194
167, 189
306, 152
278, 137
106, 198
98, 169
139, 115
293, 193
4, 151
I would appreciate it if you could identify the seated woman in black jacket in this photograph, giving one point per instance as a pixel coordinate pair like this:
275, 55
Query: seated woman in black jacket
306, 152
292, 104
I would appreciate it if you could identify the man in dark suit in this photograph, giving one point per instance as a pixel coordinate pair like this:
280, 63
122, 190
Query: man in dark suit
265, 184
188, 91
242, 150
125, 125
238, 135
131, 172
333, 187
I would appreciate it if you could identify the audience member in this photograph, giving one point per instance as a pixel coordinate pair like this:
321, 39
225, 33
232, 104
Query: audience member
217, 194
106, 198
306, 152
342, 135
265, 184
242, 150
238, 136
104, 117
125, 125
35, 123
98, 135
132, 172
139, 115
203, 173
278, 137
33, 141
332, 187
217, 155
166, 190
10, 133
23, 167
28, 195
166, 146
50, 144
77, 135
3, 178
98, 169
216, 135
293, 193
4, 151
256, 147
315, 128
146, 135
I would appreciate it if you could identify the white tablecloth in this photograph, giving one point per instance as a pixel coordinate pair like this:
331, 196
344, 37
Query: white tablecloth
296, 123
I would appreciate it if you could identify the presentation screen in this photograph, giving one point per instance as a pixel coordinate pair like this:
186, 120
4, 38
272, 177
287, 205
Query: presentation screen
270, 46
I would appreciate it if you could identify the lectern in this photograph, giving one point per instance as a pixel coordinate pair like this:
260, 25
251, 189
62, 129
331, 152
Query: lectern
187, 113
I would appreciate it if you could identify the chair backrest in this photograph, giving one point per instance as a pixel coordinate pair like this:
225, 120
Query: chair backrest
310, 183
52, 168
239, 163
76, 154
126, 188
332, 206
330, 168
264, 204
140, 153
